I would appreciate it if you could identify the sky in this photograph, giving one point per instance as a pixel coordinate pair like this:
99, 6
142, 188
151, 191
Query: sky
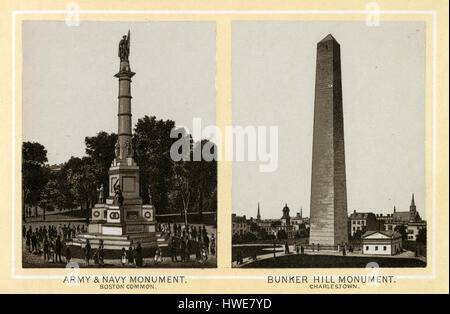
70, 92
383, 79
69, 88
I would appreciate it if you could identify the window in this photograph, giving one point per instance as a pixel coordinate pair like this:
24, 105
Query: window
376, 248
367, 248
384, 248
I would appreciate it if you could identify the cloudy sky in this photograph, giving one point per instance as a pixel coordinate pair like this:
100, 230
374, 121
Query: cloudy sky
383, 78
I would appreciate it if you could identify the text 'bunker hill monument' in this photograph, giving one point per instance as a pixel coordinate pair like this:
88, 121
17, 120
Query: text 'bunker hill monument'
328, 178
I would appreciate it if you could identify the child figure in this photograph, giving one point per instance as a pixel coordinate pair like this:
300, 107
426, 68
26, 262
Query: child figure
158, 256
52, 252
123, 257
213, 245
130, 256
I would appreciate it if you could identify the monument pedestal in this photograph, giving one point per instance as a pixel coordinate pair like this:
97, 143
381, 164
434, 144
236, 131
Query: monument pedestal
118, 226
111, 226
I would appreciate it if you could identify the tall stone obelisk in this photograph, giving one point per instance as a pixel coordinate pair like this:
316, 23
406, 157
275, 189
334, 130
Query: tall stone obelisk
328, 179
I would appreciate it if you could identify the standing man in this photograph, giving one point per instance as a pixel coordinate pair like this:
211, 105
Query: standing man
138, 252
58, 250
206, 239
173, 249
46, 247
87, 252
183, 250
101, 255
68, 255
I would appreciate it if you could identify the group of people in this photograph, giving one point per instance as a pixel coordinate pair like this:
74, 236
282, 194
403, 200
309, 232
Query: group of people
49, 241
98, 255
29, 212
299, 249
186, 240
133, 256
183, 241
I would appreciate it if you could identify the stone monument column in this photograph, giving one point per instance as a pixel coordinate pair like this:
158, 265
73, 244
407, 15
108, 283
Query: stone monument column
124, 202
328, 178
124, 100
123, 218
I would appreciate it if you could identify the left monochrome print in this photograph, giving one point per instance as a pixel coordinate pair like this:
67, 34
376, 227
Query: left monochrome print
111, 174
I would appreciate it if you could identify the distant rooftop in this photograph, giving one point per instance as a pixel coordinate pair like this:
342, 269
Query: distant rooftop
388, 233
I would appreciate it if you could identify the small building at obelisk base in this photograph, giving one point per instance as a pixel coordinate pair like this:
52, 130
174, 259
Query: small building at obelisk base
328, 177
121, 218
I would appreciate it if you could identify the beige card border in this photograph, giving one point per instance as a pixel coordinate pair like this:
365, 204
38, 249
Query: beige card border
245, 279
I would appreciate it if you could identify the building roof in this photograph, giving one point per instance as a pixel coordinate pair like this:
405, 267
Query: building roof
356, 215
285, 212
401, 216
239, 218
388, 233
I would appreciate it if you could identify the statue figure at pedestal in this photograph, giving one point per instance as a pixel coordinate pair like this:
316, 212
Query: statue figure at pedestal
101, 196
150, 201
129, 148
124, 47
118, 197
117, 149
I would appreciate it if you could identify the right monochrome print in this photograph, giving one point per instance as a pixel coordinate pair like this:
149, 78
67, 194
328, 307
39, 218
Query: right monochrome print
329, 139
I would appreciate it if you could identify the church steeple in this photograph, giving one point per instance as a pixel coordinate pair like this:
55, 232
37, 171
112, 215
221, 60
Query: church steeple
258, 215
413, 203
412, 209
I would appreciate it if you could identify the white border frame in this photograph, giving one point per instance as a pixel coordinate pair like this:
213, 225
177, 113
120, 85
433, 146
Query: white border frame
13, 136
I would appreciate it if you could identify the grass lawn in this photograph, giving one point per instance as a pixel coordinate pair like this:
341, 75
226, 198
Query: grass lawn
330, 261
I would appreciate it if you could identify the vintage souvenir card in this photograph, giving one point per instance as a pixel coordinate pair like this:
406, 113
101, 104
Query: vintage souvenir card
252, 147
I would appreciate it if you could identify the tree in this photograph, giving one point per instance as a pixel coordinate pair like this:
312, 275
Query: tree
33, 152
281, 235
152, 143
183, 182
402, 230
204, 174
262, 234
422, 236
81, 176
100, 149
357, 234
175, 185
34, 174
66, 197
49, 196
